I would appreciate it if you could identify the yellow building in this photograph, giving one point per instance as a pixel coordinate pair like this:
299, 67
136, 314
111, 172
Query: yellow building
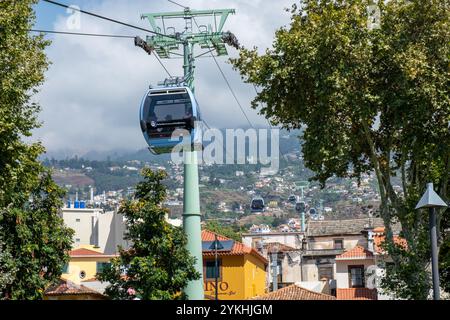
242, 270
85, 262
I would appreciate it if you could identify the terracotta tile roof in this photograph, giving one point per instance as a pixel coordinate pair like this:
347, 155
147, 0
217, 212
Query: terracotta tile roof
294, 292
357, 253
273, 247
356, 294
238, 247
84, 252
379, 238
65, 287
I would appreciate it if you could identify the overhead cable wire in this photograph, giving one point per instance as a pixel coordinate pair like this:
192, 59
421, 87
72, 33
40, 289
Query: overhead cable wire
268, 122
178, 4
162, 64
106, 18
228, 84
100, 35
83, 34
115, 21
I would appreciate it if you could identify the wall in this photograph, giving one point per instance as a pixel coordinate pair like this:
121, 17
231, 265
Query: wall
243, 277
327, 243
96, 228
231, 285
255, 277
290, 272
86, 264
292, 239
342, 279
83, 229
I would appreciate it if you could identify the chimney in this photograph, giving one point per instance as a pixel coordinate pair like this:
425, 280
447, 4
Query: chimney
92, 195
368, 228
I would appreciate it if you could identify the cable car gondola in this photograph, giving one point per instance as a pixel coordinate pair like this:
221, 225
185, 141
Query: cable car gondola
168, 110
300, 206
257, 204
292, 198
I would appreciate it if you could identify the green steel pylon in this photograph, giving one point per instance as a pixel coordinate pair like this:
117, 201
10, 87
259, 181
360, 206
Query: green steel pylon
212, 38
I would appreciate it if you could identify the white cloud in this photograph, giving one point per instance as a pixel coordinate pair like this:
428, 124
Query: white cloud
91, 97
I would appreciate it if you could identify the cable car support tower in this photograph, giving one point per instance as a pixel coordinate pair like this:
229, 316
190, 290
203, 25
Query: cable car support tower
167, 43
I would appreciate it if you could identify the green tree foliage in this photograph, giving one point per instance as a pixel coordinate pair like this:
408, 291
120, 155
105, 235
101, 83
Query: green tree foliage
369, 100
227, 231
157, 266
33, 239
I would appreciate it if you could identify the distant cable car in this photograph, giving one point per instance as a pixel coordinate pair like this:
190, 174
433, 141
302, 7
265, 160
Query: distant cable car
292, 198
300, 206
169, 116
257, 204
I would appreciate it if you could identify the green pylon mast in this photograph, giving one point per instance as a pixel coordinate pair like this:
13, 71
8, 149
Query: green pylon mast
167, 44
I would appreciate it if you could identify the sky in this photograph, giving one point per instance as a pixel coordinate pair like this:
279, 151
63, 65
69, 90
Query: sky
93, 89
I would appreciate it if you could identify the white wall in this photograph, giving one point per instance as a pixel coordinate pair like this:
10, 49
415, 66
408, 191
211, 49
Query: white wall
96, 227
342, 279
322, 243
292, 239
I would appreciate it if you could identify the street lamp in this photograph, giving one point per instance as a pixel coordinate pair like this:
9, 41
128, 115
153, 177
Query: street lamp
216, 245
431, 200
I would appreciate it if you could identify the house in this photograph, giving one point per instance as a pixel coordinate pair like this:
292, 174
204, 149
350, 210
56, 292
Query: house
257, 236
288, 262
85, 262
95, 227
327, 239
294, 292
241, 269
353, 267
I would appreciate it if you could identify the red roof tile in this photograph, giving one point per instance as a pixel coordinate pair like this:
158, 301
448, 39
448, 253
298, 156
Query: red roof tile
238, 247
294, 292
65, 287
84, 252
379, 238
356, 294
357, 253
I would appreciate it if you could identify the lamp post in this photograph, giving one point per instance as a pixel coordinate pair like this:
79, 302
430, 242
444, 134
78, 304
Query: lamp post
431, 200
216, 246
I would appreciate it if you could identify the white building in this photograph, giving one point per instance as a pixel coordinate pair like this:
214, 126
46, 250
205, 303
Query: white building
95, 227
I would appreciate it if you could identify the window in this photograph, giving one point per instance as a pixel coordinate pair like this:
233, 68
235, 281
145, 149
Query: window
102, 265
210, 270
326, 272
65, 268
356, 276
338, 243
77, 240
77, 220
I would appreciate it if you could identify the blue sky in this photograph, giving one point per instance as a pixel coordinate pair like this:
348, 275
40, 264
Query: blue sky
46, 13
93, 88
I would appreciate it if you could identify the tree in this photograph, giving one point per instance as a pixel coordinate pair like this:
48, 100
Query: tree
33, 240
157, 266
225, 231
369, 100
